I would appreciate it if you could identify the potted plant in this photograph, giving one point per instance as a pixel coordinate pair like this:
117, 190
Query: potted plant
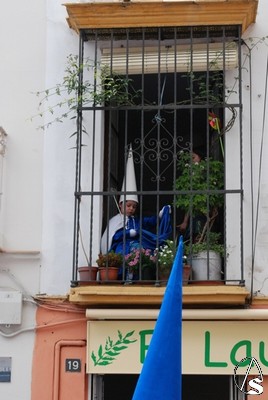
203, 176
166, 255
109, 265
88, 273
143, 258
202, 255
203, 180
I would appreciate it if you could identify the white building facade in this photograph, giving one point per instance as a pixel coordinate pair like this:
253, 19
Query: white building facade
37, 183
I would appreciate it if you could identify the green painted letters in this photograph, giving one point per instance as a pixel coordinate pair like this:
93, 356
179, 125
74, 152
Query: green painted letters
248, 353
209, 363
144, 346
262, 357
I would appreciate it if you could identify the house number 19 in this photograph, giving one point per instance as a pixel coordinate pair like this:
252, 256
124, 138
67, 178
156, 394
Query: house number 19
73, 365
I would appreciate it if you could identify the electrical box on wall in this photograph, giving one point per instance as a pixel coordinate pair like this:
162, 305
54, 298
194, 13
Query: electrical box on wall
10, 307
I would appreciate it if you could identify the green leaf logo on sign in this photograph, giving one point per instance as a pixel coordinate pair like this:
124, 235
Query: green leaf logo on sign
111, 350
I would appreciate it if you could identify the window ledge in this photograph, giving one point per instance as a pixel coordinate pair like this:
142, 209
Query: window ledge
161, 13
103, 295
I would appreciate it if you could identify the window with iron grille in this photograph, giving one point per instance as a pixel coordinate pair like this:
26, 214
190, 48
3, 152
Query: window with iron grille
164, 93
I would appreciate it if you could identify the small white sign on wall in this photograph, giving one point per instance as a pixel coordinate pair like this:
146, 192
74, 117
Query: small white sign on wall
5, 369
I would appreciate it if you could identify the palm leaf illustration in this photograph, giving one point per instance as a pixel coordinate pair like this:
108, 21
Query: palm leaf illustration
106, 354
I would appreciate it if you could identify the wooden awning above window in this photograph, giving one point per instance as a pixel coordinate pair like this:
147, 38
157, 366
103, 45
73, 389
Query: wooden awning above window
138, 13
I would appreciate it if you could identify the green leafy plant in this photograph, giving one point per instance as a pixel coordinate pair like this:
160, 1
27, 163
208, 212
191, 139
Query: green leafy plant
112, 349
110, 259
102, 87
206, 88
211, 241
205, 176
200, 185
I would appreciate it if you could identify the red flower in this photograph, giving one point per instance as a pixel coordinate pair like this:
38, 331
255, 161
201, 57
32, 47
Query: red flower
214, 121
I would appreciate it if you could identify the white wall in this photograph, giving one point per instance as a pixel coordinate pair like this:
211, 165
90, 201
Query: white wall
22, 72
59, 163
37, 202
260, 154
59, 168
37, 205
22, 68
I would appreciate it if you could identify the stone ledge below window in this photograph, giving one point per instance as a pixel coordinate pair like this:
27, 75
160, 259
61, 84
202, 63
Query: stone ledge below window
104, 295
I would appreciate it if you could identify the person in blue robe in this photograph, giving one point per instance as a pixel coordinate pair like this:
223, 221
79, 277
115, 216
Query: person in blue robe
126, 231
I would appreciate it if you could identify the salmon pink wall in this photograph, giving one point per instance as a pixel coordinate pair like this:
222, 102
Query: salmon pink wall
60, 335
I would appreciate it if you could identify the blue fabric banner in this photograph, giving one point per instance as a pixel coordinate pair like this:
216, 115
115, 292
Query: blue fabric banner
160, 377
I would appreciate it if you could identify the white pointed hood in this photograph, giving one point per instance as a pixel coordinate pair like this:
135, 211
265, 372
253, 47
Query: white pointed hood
129, 181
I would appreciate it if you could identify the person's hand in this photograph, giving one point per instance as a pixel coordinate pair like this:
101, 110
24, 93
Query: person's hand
182, 227
132, 233
161, 212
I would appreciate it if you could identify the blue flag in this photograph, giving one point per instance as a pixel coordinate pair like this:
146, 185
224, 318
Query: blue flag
160, 377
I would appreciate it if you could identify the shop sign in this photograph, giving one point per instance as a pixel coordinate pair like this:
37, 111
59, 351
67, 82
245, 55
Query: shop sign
208, 347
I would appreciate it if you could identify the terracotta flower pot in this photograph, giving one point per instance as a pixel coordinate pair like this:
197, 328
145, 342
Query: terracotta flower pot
88, 273
187, 269
164, 274
109, 273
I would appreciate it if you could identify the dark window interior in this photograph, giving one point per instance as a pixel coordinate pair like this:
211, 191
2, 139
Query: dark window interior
188, 125
195, 387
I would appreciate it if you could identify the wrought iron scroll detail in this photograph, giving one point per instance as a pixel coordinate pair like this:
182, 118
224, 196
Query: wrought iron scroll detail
158, 149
